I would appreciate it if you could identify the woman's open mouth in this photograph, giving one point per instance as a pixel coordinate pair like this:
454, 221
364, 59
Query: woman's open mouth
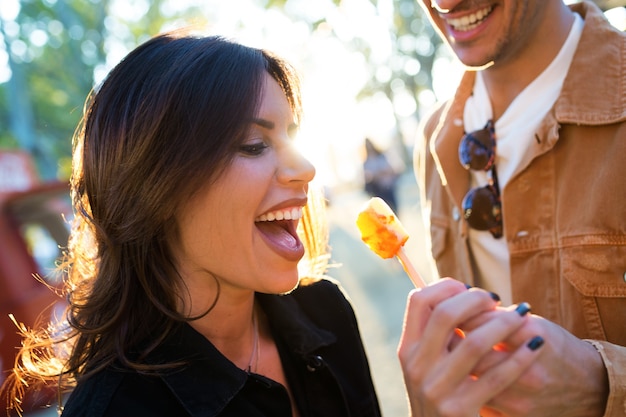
278, 229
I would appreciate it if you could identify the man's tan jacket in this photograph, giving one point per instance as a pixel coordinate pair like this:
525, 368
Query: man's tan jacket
564, 209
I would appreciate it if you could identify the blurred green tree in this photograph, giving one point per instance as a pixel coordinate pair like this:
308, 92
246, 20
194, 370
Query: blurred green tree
55, 52
52, 49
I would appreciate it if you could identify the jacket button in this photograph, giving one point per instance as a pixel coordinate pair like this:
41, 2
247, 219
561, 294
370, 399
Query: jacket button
456, 215
314, 363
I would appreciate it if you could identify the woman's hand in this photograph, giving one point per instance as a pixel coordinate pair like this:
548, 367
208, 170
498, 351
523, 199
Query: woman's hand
438, 361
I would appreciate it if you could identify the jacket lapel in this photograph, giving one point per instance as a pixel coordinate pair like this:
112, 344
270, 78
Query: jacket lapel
448, 134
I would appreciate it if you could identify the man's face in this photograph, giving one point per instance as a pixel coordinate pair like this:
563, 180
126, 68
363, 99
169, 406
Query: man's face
484, 31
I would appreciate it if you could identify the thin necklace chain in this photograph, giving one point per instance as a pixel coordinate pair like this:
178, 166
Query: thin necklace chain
256, 349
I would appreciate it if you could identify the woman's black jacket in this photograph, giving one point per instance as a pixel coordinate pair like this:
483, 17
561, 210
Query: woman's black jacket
320, 346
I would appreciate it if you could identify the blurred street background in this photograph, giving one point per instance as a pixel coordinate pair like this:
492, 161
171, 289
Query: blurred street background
378, 287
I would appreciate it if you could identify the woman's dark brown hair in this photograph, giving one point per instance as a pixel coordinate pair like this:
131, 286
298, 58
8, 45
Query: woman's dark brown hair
166, 121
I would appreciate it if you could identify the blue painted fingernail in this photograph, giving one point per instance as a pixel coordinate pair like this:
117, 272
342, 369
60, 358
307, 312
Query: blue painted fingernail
535, 343
468, 286
523, 308
495, 297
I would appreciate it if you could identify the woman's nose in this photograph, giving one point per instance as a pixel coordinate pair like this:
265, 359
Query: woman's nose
294, 167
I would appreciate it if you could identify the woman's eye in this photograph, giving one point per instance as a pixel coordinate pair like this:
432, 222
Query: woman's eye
253, 149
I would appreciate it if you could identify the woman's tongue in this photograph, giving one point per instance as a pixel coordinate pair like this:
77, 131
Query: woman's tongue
277, 235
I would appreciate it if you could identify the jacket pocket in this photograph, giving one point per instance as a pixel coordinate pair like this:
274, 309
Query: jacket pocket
597, 272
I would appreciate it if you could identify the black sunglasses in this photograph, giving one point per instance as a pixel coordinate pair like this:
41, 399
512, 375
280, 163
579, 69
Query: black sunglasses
481, 206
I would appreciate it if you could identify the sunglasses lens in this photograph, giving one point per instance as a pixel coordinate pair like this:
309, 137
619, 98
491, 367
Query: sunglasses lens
477, 150
482, 210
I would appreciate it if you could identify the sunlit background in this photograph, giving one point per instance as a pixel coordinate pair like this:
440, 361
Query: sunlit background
370, 68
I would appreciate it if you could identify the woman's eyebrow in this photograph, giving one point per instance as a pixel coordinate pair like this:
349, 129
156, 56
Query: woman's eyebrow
264, 123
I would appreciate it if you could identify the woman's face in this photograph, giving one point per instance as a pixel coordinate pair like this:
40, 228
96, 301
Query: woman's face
242, 228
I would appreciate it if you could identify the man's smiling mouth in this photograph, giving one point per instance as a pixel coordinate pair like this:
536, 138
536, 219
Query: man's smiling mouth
469, 22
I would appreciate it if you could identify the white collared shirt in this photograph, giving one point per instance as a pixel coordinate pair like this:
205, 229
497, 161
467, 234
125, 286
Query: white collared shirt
515, 132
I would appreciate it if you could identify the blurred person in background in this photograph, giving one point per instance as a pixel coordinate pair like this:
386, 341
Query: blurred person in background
521, 176
186, 290
379, 176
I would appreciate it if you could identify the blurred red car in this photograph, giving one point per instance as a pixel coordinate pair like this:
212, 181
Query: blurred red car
34, 230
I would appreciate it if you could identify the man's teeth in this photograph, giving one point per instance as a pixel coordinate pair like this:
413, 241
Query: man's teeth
469, 22
293, 213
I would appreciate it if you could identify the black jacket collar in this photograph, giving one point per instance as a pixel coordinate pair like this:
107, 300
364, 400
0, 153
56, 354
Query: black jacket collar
210, 381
